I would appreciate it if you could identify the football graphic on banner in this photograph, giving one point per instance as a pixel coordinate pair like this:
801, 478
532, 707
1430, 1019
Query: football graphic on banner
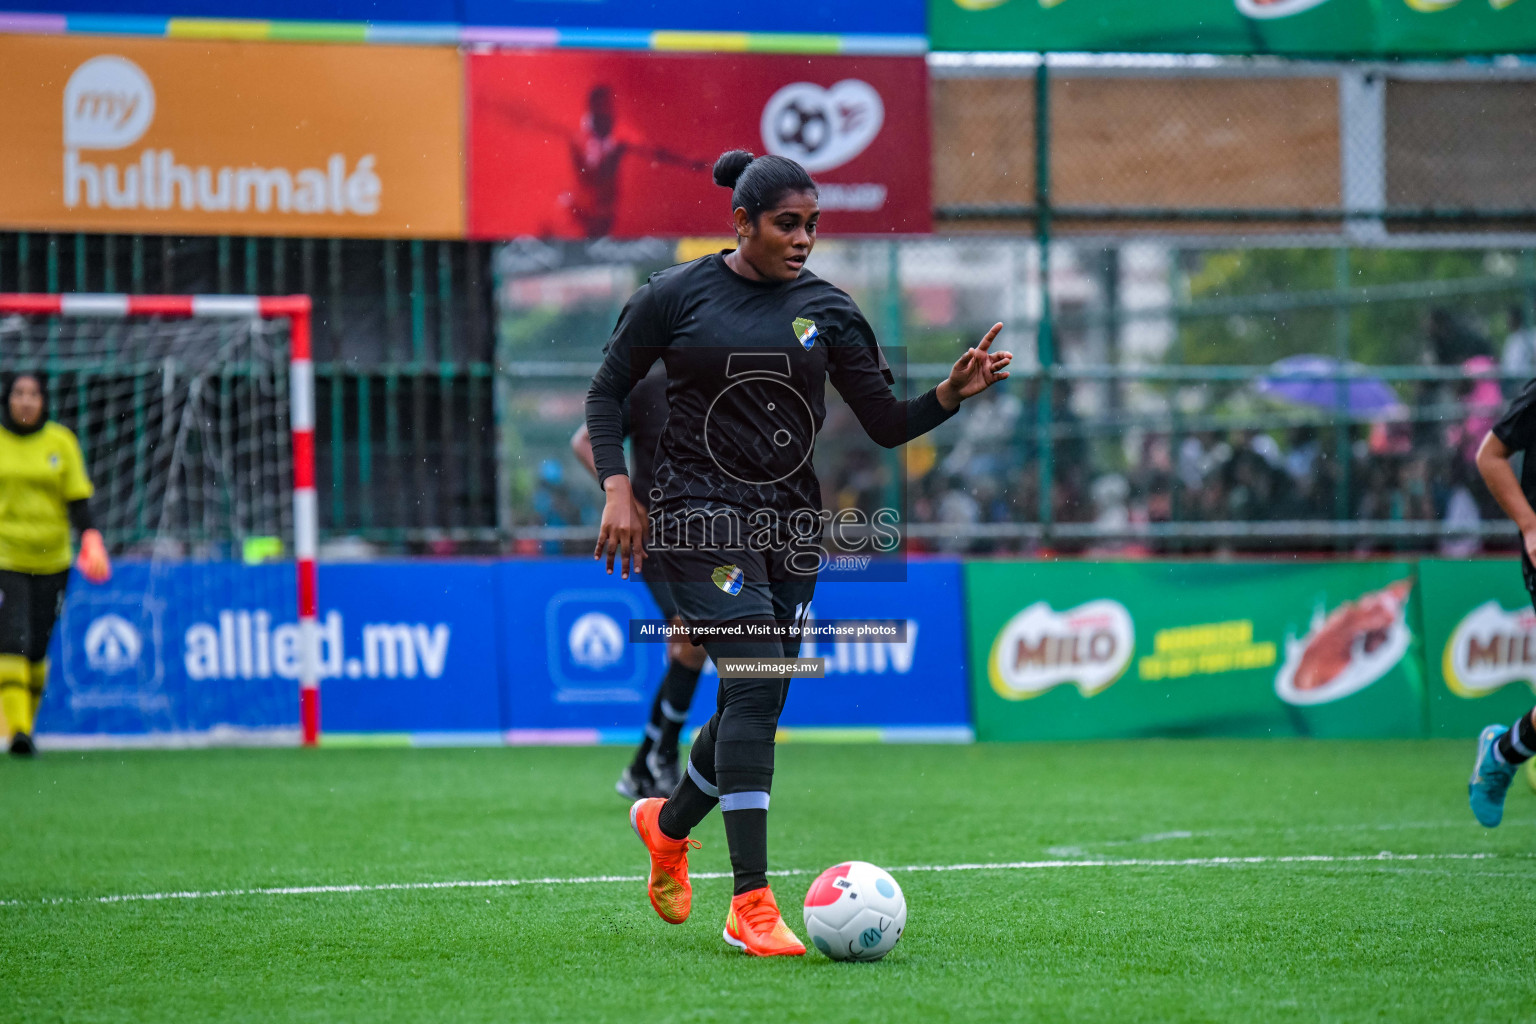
822, 128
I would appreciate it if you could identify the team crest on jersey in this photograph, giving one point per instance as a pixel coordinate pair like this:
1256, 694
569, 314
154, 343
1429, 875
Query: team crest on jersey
53, 459
728, 579
805, 332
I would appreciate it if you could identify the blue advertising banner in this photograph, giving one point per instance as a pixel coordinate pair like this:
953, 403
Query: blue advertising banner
894, 17
572, 676
569, 670
919, 684
521, 651
211, 650
186, 649
605, 23
414, 648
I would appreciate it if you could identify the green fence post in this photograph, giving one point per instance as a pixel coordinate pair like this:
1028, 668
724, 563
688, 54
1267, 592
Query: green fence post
338, 384
53, 286
53, 263
1045, 335
365, 448
418, 302
1528, 293
447, 488
252, 277
82, 401
393, 333
1341, 428
501, 426
472, 383
895, 460
418, 297
279, 267
1175, 426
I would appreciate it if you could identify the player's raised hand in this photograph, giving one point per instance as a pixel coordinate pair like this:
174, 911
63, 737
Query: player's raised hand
978, 369
623, 529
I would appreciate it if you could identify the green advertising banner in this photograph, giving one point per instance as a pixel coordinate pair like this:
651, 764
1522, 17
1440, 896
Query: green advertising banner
1479, 644
1074, 650
1444, 27
1299, 28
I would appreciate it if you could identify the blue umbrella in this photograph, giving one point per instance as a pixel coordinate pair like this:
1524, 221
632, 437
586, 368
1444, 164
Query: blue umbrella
1328, 384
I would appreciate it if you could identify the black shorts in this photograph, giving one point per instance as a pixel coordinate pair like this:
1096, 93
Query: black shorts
715, 574
29, 607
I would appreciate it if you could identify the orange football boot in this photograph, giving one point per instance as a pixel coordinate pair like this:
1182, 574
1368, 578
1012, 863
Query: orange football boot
670, 892
755, 926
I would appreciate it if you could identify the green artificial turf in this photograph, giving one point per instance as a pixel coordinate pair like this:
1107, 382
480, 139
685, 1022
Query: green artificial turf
1395, 940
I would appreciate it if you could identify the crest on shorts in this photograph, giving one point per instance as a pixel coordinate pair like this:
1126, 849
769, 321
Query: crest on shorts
805, 332
727, 578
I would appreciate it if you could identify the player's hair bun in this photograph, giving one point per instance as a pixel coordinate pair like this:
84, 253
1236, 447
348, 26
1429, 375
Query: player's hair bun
729, 167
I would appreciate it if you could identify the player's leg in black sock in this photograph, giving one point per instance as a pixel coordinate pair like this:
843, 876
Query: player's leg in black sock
746, 823
749, 719
676, 697
697, 792
653, 727
1518, 745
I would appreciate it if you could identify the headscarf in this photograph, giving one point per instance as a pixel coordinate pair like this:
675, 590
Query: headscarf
7, 383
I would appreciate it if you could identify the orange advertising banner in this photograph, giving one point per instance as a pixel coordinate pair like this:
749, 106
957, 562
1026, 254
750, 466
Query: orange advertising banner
183, 137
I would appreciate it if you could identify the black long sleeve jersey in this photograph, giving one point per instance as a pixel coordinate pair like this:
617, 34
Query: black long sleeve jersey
747, 364
645, 414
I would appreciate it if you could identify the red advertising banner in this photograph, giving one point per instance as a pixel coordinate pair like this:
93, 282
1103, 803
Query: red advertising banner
586, 144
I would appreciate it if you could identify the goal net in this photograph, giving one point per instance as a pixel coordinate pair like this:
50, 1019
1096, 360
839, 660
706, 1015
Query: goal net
186, 414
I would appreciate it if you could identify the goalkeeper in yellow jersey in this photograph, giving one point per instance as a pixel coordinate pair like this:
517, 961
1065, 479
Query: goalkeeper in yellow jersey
44, 491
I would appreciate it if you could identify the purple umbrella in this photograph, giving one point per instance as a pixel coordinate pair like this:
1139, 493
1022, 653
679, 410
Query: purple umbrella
1322, 382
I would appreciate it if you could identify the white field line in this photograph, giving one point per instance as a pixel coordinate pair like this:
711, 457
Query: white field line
1017, 865
1095, 847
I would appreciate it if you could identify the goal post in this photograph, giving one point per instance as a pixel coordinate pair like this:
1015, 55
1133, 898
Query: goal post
295, 311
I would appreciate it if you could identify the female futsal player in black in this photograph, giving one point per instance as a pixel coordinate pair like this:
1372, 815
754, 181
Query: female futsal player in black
749, 338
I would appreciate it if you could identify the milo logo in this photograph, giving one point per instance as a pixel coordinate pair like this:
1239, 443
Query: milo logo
1489, 649
1089, 646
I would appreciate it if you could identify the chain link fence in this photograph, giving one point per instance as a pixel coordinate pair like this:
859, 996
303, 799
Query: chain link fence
1202, 398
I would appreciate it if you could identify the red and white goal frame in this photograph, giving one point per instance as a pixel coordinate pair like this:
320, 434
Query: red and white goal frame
301, 397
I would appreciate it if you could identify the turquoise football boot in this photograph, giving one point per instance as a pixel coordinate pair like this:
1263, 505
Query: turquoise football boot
1490, 779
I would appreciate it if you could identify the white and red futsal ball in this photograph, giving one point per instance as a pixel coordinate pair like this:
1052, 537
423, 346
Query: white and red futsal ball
855, 911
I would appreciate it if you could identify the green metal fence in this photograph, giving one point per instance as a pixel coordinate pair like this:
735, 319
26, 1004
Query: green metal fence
402, 341
1155, 351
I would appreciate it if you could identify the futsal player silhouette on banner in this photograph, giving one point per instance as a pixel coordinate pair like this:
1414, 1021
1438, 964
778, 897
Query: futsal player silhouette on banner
597, 152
